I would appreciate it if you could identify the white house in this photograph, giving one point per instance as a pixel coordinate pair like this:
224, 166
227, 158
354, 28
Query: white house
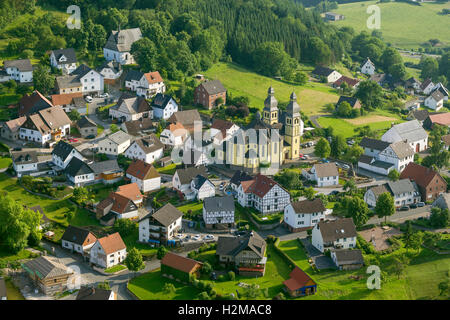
163, 106
443, 90
91, 80
144, 175
115, 143
263, 194
182, 178
110, 70
435, 100
78, 239
222, 130
148, 149
108, 251
325, 174
427, 87
79, 172
382, 157
403, 191
305, 214
411, 132
367, 67
64, 59
63, 153
19, 70
161, 226
330, 74
218, 212
174, 135
130, 109
334, 234
119, 43
202, 187
30, 163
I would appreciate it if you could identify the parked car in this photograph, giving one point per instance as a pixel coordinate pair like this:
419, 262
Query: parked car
421, 204
89, 99
334, 192
413, 205
222, 185
104, 95
17, 149
325, 160
303, 158
345, 166
403, 208
350, 142
208, 237
196, 237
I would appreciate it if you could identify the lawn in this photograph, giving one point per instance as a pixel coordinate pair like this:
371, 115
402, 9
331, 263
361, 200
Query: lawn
115, 268
12, 293
239, 81
150, 287
399, 22
420, 281
6, 256
195, 207
5, 162
346, 127
169, 169
54, 209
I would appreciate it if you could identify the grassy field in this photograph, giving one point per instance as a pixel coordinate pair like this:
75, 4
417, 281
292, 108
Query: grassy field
420, 281
239, 81
5, 162
12, 293
53, 209
116, 268
402, 24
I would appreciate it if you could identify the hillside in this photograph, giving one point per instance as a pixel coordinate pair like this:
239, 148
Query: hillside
404, 25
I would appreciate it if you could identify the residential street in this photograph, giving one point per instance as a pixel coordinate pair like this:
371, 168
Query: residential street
402, 216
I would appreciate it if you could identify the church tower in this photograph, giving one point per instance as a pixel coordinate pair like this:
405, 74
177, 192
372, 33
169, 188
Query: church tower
293, 126
270, 111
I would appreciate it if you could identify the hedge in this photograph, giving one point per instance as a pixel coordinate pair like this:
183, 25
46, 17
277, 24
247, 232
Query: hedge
291, 263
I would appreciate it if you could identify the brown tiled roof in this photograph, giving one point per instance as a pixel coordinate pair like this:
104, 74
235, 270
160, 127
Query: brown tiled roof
55, 117
308, 206
102, 205
222, 125
177, 129
63, 99
130, 191
15, 124
153, 77
178, 262
149, 144
136, 126
298, 279
260, 185
351, 82
186, 118
142, 170
421, 175
112, 243
326, 169
440, 118
122, 204
165, 215
29, 103
337, 229
36, 119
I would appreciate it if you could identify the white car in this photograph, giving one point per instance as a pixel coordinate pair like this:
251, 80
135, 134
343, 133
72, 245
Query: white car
208, 237
179, 236
196, 237
104, 95
89, 99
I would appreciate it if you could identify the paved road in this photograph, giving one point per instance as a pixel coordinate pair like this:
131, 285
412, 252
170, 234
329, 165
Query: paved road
402, 216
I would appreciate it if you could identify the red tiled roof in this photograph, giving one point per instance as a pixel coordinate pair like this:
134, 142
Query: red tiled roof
260, 185
63, 99
112, 243
130, 191
419, 174
351, 82
153, 77
298, 279
179, 263
440, 118
142, 170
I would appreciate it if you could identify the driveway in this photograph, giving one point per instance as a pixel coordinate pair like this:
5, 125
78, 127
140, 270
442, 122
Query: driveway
402, 216
320, 260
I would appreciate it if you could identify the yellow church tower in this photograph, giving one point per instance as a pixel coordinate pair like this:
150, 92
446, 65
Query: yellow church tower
293, 126
270, 111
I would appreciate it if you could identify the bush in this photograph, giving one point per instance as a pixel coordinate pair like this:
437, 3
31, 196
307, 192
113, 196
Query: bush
231, 276
169, 288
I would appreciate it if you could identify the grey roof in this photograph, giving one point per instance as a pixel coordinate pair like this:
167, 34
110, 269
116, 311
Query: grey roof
81, 71
410, 131
166, 215
68, 81
161, 101
105, 166
293, 107
426, 83
75, 234
22, 65
62, 150
214, 204
2, 288
85, 122
87, 293
401, 186
308, 206
443, 201
239, 176
420, 115
132, 105
121, 40
213, 87
199, 181
232, 245
76, 167
402, 149
186, 117
149, 144
69, 53
322, 71
367, 60
437, 95
373, 144
382, 164
134, 127
326, 170
113, 65
134, 75
351, 100
46, 267
187, 174
332, 230
379, 190
271, 103
119, 137
24, 157
347, 256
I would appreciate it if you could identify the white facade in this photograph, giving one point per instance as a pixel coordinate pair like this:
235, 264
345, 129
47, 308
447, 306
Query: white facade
341, 243
134, 151
392, 136
429, 88
34, 135
334, 76
431, 103
275, 200
20, 76
302, 220
67, 68
388, 155
167, 112
206, 190
218, 217
82, 179
98, 256
27, 167
76, 247
146, 185
321, 181
64, 163
148, 231
120, 57
107, 146
148, 90
175, 138
92, 82
109, 74
368, 68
